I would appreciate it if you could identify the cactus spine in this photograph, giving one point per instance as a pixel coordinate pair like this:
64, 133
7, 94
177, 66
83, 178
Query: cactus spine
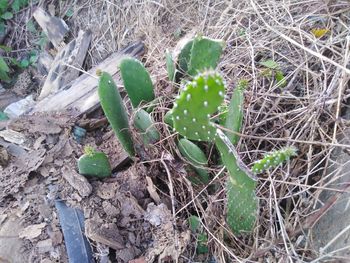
137, 81
113, 107
94, 164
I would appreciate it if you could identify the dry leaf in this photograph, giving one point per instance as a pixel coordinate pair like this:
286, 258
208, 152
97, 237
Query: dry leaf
319, 32
32, 231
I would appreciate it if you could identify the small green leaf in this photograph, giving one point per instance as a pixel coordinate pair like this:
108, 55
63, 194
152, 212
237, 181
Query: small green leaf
24, 63
281, 80
2, 28
42, 41
269, 64
3, 5
31, 27
194, 223
69, 12
7, 15
3, 65
4, 76
18, 4
5, 48
3, 116
202, 241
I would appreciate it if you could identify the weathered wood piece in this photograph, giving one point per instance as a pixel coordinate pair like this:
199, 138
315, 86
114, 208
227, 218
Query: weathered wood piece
54, 27
64, 68
81, 95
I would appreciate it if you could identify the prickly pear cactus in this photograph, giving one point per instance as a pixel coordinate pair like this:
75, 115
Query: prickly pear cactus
93, 163
242, 203
137, 81
198, 100
113, 107
274, 159
234, 116
191, 114
205, 54
185, 56
170, 66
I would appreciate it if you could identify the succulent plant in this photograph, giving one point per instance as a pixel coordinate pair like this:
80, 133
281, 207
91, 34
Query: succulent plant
196, 157
198, 100
94, 164
144, 122
242, 203
170, 66
192, 111
273, 159
234, 115
113, 107
205, 54
137, 81
185, 56
198, 54
201, 236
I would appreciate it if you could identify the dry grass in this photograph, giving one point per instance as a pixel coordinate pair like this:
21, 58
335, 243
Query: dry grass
306, 113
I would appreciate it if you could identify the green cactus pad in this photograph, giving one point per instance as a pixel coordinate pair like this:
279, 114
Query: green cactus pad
274, 159
144, 122
113, 107
137, 81
205, 54
234, 116
242, 202
185, 56
192, 153
168, 119
94, 164
198, 100
170, 66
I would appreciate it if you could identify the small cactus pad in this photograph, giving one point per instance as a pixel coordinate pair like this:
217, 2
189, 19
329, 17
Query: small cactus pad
185, 56
137, 81
274, 159
94, 164
168, 119
170, 66
242, 203
144, 122
113, 107
205, 54
193, 108
234, 116
192, 153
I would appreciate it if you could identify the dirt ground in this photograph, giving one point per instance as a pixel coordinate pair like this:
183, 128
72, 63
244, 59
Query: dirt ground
140, 214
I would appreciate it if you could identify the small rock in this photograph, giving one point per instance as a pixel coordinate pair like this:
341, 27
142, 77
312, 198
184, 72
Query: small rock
107, 234
44, 246
56, 238
110, 209
107, 191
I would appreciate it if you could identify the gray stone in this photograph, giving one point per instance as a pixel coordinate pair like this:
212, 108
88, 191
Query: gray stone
331, 234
